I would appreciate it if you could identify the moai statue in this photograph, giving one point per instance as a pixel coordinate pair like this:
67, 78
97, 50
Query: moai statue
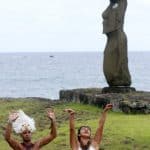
115, 65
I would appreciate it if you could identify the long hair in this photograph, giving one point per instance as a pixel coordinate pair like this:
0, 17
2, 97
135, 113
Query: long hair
84, 147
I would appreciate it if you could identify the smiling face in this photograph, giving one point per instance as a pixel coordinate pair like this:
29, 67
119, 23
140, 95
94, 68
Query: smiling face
26, 135
84, 131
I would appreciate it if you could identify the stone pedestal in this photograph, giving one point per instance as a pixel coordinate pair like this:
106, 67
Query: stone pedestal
118, 89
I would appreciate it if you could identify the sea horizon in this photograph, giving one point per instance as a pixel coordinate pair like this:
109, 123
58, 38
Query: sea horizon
44, 74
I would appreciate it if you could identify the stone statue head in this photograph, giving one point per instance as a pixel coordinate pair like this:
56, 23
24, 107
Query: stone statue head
113, 16
113, 1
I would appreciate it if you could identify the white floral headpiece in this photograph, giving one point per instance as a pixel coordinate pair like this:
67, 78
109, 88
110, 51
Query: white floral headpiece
23, 122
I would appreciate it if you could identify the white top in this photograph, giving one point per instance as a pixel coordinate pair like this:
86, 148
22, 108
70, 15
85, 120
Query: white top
90, 148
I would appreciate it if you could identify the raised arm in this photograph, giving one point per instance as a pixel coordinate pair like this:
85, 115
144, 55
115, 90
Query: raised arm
8, 130
99, 132
53, 133
73, 136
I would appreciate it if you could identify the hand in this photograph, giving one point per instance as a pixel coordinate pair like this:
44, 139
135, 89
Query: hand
70, 111
13, 116
108, 107
50, 114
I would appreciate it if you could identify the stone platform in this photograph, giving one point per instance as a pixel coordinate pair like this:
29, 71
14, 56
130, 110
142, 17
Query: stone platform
95, 96
118, 89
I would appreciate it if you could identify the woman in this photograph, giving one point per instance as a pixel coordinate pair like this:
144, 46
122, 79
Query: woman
83, 140
115, 55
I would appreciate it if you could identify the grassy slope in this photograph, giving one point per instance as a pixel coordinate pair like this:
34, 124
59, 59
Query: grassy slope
122, 132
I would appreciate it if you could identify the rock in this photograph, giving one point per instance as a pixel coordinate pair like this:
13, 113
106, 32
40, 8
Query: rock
137, 106
94, 96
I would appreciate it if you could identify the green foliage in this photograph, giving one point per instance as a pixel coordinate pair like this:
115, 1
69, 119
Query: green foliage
121, 132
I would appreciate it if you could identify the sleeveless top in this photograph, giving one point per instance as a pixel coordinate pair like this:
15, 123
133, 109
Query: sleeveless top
27, 147
90, 148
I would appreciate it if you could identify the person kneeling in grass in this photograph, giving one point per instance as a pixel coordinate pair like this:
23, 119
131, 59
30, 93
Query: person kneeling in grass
83, 140
24, 125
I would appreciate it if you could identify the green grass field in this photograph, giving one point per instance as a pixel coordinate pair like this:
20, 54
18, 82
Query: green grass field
121, 132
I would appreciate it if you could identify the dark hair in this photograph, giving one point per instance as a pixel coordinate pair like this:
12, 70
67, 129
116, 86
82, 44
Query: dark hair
84, 147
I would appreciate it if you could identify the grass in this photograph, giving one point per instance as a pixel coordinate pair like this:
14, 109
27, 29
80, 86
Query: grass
121, 132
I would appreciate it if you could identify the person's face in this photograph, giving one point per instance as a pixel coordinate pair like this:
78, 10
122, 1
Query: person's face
26, 135
85, 132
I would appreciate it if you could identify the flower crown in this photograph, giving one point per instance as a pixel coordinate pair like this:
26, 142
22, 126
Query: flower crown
23, 122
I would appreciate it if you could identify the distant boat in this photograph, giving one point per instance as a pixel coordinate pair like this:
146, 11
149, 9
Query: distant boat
51, 56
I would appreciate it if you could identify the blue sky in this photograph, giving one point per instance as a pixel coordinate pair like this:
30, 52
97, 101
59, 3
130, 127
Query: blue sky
67, 25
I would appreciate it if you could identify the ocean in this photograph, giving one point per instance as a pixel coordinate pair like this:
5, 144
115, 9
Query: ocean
45, 74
